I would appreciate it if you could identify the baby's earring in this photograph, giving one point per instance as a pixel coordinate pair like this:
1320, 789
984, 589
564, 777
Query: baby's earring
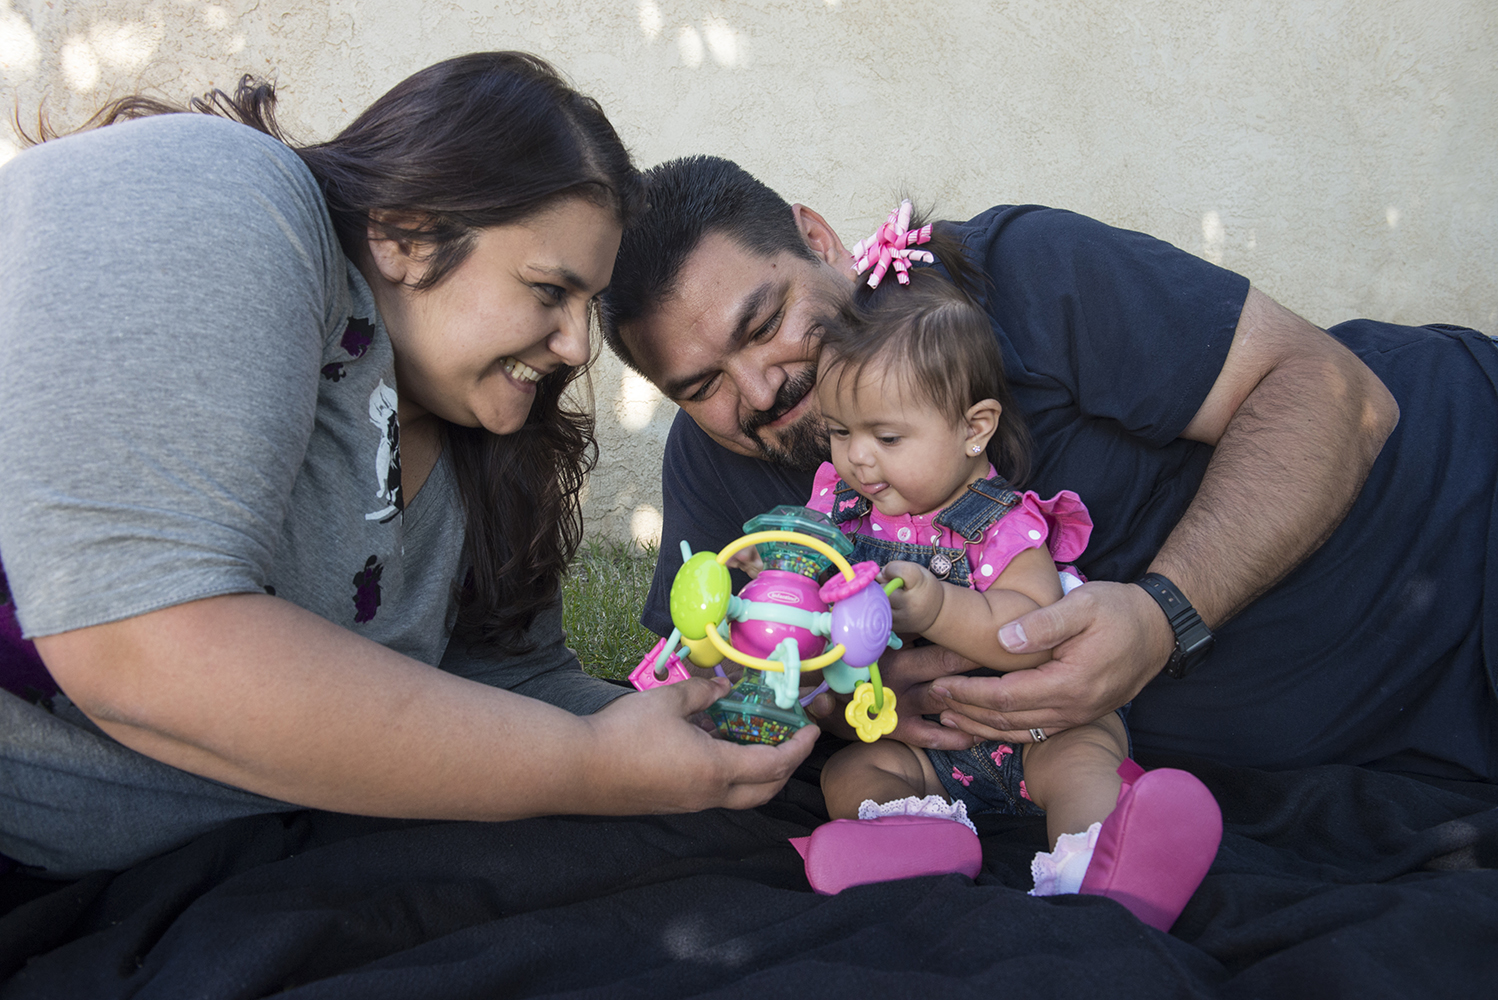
977, 448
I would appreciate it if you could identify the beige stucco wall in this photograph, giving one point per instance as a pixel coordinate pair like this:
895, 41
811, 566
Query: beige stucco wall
1341, 153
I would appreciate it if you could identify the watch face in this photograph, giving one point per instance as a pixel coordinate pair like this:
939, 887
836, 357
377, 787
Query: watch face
1191, 649
1195, 642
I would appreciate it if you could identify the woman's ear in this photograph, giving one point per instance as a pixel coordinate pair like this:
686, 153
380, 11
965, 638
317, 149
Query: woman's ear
982, 420
395, 259
821, 238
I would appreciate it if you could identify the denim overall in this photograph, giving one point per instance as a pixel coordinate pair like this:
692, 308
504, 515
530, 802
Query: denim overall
989, 778
982, 506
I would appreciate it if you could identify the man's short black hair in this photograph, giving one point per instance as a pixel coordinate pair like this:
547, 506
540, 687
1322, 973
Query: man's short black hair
686, 200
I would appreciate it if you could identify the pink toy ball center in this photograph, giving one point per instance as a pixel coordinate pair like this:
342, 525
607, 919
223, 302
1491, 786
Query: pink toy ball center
759, 638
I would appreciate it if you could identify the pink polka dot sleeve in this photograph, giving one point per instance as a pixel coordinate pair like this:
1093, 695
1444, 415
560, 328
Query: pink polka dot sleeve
1061, 523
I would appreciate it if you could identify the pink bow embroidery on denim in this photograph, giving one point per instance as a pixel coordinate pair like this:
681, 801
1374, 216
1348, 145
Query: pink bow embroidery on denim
890, 247
1001, 754
966, 779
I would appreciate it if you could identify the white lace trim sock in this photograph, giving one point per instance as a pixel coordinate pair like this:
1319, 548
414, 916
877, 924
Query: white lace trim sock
932, 805
1060, 872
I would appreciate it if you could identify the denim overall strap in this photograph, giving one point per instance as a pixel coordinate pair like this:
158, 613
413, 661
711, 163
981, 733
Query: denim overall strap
983, 505
848, 504
884, 551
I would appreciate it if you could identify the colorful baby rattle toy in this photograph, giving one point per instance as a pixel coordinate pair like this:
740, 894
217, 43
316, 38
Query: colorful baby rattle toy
779, 628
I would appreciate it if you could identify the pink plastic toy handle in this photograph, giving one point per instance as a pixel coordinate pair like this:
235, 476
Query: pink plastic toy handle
644, 677
840, 588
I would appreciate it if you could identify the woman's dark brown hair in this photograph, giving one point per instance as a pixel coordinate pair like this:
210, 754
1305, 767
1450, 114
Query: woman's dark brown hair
481, 140
934, 334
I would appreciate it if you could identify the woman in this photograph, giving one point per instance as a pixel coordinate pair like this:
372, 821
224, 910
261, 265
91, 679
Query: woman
293, 482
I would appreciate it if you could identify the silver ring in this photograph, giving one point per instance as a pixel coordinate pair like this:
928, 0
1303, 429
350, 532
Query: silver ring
1038, 735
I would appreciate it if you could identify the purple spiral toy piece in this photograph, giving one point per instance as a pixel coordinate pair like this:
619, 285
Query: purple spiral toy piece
861, 622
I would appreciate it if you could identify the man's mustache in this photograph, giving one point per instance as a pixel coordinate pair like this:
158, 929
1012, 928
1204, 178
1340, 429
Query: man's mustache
791, 392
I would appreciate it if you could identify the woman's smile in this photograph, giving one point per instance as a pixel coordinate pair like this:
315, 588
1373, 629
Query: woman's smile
520, 371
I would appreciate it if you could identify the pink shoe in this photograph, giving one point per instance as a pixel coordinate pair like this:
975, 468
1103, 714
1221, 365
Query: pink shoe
849, 852
1157, 844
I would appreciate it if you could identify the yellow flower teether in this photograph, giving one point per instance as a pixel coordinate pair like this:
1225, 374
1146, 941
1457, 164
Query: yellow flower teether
870, 728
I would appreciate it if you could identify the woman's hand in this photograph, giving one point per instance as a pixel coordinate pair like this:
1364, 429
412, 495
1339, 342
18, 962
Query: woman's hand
915, 605
648, 756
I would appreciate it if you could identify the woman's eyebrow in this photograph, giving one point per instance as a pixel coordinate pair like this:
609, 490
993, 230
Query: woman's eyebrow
563, 274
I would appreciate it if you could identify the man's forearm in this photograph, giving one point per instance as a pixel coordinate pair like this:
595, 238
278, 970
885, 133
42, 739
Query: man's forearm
1286, 470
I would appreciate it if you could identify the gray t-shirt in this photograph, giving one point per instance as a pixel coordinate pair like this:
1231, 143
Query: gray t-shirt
197, 397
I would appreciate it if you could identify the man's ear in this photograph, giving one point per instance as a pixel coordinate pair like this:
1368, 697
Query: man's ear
982, 422
821, 238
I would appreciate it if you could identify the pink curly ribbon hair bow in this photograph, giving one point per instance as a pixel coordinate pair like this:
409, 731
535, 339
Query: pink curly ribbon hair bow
890, 246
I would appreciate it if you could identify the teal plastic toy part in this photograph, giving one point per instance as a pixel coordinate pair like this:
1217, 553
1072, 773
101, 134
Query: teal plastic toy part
816, 622
843, 678
787, 683
748, 713
789, 556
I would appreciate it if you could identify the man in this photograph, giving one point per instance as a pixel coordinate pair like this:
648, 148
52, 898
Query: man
1257, 467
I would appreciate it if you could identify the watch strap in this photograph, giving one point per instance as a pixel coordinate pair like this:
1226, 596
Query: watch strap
1193, 639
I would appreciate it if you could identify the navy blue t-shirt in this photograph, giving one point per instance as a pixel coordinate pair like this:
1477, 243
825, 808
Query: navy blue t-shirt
1371, 652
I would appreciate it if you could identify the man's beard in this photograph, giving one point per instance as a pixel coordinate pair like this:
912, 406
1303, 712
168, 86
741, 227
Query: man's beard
802, 445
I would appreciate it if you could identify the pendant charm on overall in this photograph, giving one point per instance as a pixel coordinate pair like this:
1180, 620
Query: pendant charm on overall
941, 566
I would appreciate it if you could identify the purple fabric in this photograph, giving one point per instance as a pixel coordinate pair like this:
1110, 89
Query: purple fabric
22, 672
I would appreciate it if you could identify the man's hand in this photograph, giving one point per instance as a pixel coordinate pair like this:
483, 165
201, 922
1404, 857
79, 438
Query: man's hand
1107, 640
909, 673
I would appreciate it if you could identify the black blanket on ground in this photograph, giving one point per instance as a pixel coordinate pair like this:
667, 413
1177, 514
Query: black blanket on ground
1331, 881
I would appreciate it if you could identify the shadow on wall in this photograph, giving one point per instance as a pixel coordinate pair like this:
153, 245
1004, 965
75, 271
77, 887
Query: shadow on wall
95, 59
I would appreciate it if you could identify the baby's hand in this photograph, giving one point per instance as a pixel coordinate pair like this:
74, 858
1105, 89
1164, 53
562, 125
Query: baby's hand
915, 605
748, 560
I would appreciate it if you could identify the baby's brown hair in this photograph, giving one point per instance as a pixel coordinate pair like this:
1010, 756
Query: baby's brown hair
936, 336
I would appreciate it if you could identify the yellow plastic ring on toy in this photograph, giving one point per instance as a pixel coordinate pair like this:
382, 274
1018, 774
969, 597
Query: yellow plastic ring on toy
815, 663
870, 728
815, 544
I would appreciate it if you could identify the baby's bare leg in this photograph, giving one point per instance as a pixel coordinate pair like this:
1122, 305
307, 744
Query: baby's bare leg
1073, 775
882, 771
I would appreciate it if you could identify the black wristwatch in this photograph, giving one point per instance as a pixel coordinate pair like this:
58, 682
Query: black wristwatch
1193, 638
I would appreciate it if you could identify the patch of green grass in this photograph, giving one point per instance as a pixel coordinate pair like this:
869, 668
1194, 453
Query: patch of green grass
603, 594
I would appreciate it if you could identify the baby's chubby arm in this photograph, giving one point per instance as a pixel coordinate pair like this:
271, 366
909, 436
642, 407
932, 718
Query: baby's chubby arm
967, 621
